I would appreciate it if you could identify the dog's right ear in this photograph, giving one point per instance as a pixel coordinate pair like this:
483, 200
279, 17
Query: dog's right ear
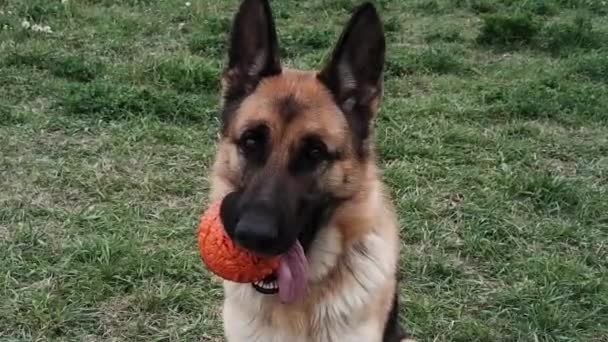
253, 51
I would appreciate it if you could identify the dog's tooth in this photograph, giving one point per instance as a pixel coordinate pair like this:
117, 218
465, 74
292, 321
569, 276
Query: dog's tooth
274, 285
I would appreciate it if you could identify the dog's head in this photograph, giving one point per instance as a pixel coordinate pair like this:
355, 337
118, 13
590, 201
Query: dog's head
294, 144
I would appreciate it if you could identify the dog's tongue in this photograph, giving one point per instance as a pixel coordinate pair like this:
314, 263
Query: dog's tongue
292, 274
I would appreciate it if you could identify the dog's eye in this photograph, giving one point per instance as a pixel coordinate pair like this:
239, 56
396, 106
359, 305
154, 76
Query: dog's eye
252, 143
312, 153
314, 150
315, 153
249, 143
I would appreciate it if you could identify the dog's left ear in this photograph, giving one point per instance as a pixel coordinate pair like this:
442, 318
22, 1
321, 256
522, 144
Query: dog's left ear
253, 53
354, 72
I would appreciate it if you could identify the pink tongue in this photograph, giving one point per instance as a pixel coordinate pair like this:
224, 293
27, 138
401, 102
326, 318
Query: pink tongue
291, 274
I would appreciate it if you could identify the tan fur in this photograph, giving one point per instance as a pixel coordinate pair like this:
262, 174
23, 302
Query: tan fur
352, 261
322, 117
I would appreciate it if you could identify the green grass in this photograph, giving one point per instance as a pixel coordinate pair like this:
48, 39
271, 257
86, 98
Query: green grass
493, 136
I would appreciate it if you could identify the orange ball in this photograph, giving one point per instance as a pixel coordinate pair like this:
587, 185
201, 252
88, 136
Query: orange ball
223, 257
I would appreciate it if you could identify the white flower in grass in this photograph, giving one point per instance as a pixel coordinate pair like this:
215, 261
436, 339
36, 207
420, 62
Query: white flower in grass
25, 24
180, 26
40, 28
188, 4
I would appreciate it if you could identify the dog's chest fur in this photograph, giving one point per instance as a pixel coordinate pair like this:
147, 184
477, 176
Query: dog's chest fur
350, 294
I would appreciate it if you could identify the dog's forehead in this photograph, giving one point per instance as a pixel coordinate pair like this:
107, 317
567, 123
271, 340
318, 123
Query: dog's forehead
294, 103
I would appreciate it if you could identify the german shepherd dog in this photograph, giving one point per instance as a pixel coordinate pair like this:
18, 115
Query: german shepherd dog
296, 174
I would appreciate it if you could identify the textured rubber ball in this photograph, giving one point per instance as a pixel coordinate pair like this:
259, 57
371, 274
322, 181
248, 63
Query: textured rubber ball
223, 257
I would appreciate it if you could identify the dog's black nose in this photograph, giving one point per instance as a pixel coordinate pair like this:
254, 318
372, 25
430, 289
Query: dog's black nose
257, 230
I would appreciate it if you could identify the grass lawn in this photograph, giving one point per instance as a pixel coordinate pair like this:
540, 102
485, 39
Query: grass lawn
493, 136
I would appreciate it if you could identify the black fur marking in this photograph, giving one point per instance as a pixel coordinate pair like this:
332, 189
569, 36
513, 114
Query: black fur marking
319, 216
289, 108
354, 72
393, 332
253, 36
252, 56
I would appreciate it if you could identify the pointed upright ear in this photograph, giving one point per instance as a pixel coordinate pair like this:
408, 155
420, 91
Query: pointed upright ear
253, 51
354, 72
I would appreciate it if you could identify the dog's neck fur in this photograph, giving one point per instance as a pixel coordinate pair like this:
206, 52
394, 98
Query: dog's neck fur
352, 264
